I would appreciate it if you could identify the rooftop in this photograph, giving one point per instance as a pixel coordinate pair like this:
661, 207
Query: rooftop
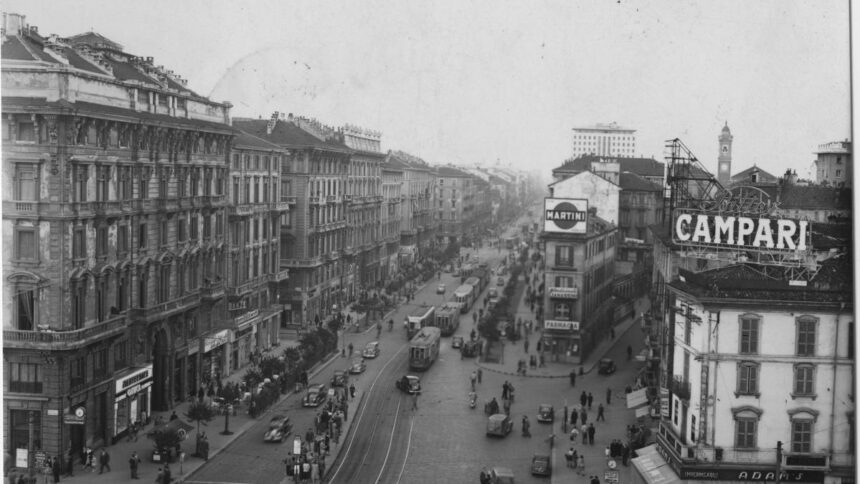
646, 167
633, 182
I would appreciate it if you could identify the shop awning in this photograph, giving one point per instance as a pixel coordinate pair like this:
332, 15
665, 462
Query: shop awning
652, 468
637, 398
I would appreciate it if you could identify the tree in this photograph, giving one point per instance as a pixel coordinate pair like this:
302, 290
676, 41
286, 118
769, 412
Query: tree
165, 438
200, 411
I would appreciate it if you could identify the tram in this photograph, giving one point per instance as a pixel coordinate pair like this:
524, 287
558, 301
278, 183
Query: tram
424, 348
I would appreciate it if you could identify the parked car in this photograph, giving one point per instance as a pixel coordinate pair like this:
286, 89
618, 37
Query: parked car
279, 427
357, 366
339, 379
409, 384
371, 350
501, 475
606, 366
315, 395
546, 413
541, 465
499, 425
500, 281
457, 342
440, 289
470, 348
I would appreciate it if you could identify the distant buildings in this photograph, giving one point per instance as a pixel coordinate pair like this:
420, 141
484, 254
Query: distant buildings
603, 140
834, 165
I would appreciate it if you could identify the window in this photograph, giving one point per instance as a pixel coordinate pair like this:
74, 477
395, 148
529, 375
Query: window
100, 363
749, 335
164, 283
26, 182
142, 279
79, 303
801, 435
25, 243
562, 311
102, 183
141, 236
194, 228
838, 173
693, 428
564, 255
163, 233
745, 432
122, 286
25, 307
180, 229
78, 371
806, 336
120, 355
80, 182
101, 241
25, 378
27, 131
143, 184
79, 243
122, 240
747, 378
804, 380
19, 429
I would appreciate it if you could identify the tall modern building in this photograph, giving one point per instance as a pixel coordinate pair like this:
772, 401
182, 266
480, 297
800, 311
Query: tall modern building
604, 140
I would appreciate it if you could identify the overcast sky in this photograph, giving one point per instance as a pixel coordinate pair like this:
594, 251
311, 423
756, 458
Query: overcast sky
479, 81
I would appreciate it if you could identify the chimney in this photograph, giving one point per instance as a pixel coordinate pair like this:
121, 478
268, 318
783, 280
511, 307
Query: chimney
149, 60
13, 23
272, 121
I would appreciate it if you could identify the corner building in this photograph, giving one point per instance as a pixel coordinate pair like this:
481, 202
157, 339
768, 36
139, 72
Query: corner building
114, 200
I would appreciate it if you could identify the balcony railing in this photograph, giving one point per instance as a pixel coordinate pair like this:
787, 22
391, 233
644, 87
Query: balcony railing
63, 340
301, 262
281, 206
164, 309
281, 275
242, 210
21, 208
212, 290
109, 207
241, 289
289, 199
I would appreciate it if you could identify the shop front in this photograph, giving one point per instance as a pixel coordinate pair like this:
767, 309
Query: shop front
192, 366
243, 344
561, 341
214, 357
131, 399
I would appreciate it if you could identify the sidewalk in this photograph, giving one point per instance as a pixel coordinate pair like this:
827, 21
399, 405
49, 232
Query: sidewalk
239, 424
515, 351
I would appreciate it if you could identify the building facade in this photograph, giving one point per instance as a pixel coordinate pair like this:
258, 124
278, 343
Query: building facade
417, 220
455, 203
115, 193
604, 140
834, 165
391, 216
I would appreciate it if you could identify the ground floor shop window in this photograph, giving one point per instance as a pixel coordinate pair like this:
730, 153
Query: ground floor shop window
19, 429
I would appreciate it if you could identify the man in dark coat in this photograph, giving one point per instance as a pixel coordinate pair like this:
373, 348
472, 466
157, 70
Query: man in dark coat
104, 461
591, 433
583, 399
133, 463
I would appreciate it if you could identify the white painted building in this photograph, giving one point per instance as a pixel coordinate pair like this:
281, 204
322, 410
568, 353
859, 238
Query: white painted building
602, 194
604, 140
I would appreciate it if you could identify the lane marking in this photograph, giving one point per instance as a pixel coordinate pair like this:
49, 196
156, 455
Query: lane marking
408, 446
361, 415
390, 441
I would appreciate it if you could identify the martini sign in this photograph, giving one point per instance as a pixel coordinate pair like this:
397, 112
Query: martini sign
565, 215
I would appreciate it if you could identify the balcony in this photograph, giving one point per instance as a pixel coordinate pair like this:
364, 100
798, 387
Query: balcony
332, 199
241, 289
281, 275
107, 208
63, 340
164, 309
311, 262
203, 201
213, 290
166, 204
241, 210
281, 206
734, 456
292, 200
681, 389
21, 209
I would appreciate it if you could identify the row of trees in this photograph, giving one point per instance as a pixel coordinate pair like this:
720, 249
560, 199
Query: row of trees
488, 326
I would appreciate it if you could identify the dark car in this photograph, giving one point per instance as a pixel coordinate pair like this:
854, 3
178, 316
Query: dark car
546, 413
470, 348
339, 379
409, 384
315, 396
457, 342
606, 366
499, 425
279, 428
541, 465
357, 366
371, 350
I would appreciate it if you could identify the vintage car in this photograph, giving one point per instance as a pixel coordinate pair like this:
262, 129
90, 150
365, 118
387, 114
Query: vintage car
546, 413
315, 395
409, 384
470, 348
339, 379
440, 289
371, 350
541, 465
357, 366
279, 428
500, 281
606, 366
501, 475
457, 342
499, 425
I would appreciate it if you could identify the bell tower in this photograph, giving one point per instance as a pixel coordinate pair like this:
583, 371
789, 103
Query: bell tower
724, 160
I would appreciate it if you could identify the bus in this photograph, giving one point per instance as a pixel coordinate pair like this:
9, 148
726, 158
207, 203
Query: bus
419, 318
465, 295
448, 318
512, 242
424, 348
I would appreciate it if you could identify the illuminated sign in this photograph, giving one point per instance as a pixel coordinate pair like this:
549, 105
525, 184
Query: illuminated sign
564, 292
565, 215
561, 325
741, 232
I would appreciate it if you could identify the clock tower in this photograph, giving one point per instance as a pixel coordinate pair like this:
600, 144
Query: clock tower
724, 160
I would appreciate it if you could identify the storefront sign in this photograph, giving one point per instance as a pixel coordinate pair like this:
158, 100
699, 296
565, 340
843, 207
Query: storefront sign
564, 292
664, 402
565, 215
561, 325
245, 317
78, 416
217, 340
756, 475
135, 378
746, 232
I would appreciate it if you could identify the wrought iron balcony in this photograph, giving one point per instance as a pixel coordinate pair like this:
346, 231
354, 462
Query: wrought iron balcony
241, 289
64, 340
212, 290
167, 308
281, 275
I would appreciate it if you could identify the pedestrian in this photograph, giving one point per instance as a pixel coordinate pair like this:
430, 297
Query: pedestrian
173, 416
572, 378
584, 433
591, 430
583, 415
415, 401
594, 480
583, 399
600, 413
625, 454
526, 427
590, 399
133, 464
167, 479
574, 416
629, 352
505, 390
526, 345
56, 468
568, 456
70, 464
574, 434
480, 373
104, 461
159, 478
473, 378
581, 470
538, 346
608, 396
349, 347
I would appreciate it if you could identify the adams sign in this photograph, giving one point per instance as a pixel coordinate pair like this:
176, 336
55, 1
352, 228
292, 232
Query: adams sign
565, 215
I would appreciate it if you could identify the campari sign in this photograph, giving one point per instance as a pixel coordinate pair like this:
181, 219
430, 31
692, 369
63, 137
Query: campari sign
565, 215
